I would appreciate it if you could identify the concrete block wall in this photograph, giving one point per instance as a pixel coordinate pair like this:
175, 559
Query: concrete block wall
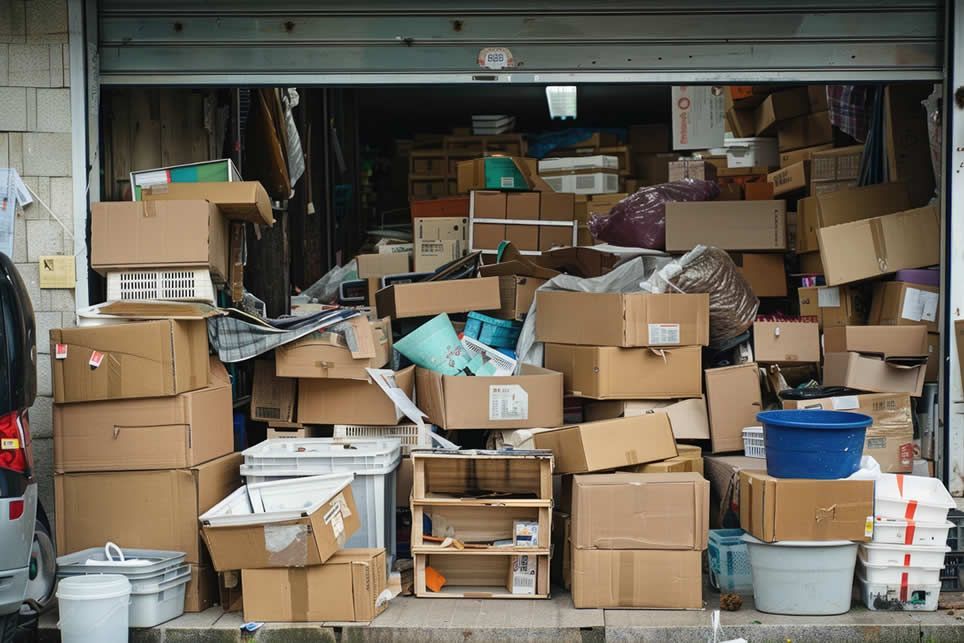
35, 122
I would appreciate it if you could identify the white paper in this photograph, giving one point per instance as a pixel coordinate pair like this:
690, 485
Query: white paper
698, 117
385, 378
828, 297
845, 403
919, 305
508, 402
663, 334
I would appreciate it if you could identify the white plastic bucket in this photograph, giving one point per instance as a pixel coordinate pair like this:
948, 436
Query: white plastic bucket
797, 577
94, 609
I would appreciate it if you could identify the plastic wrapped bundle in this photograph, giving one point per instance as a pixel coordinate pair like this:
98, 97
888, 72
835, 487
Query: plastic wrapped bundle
639, 220
710, 270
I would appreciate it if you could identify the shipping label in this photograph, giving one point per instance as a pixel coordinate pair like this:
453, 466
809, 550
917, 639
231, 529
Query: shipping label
508, 402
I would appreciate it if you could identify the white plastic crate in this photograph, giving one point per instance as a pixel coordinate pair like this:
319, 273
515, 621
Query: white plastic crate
277, 501
753, 442
898, 597
410, 436
749, 152
897, 574
904, 532
904, 497
187, 284
917, 555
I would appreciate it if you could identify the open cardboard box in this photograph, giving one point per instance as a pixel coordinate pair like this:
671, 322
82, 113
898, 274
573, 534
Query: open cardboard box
237, 200
328, 355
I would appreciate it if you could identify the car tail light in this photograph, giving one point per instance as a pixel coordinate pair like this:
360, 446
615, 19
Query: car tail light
16, 509
14, 444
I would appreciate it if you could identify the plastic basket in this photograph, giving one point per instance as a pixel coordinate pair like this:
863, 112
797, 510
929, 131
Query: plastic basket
188, 284
902, 555
408, 434
729, 561
898, 597
905, 497
753, 446
955, 536
952, 575
497, 333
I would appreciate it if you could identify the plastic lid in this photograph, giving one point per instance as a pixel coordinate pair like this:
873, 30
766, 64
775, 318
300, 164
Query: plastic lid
814, 419
747, 538
93, 587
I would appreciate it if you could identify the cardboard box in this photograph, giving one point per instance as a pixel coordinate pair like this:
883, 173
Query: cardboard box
840, 164
556, 206
380, 264
555, 237
525, 237
873, 374
272, 397
517, 294
622, 319
844, 206
758, 191
733, 399
337, 401
932, 372
488, 205
142, 509
237, 200
453, 206
432, 255
498, 173
532, 399
609, 444
280, 433
143, 359
404, 480
202, 590
487, 236
881, 245
780, 106
429, 298
790, 179
698, 117
896, 303
810, 263
522, 205
795, 340
148, 433
890, 439
345, 588
129, 235
728, 225
805, 131
256, 540
647, 578
805, 154
740, 122
692, 169
609, 372
200, 172
443, 229
773, 509
640, 511
327, 355
766, 273
686, 417
886, 341
833, 305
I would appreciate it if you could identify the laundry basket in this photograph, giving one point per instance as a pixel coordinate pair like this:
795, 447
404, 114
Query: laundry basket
753, 445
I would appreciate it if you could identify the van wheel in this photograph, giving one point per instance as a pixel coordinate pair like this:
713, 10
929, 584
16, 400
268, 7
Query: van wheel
43, 568
8, 627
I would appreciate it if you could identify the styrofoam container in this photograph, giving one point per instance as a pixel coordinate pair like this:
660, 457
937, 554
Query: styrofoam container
278, 501
904, 532
903, 497
802, 577
749, 152
155, 604
897, 597
917, 555
895, 575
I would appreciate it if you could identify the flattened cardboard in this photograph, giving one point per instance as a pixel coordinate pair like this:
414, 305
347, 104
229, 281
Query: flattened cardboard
766, 273
872, 373
733, 399
687, 417
640, 511
129, 235
622, 319
517, 294
609, 444
532, 399
142, 509
343, 589
788, 341
728, 225
327, 355
425, 299
148, 433
381, 264
655, 579
773, 509
845, 206
833, 305
272, 397
886, 341
608, 372
141, 359
202, 590
896, 303
337, 401
237, 200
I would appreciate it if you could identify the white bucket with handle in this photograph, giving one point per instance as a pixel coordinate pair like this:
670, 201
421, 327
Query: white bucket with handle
94, 609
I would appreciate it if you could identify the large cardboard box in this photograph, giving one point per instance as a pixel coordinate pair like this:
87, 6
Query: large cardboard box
622, 319
886, 341
845, 206
337, 401
873, 373
258, 540
609, 372
377, 265
773, 509
237, 200
444, 229
346, 588
517, 293
780, 106
766, 273
432, 255
890, 439
733, 399
328, 355
175, 432
728, 225
532, 399
488, 205
142, 509
609, 444
522, 206
429, 298
138, 235
647, 578
143, 359
640, 511
805, 131
786, 341
881, 245
272, 397
896, 303
686, 417
833, 305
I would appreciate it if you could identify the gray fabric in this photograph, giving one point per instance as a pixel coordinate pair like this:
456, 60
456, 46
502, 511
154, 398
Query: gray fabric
236, 340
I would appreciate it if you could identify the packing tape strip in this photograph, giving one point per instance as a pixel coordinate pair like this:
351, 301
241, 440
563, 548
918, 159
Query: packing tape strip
880, 245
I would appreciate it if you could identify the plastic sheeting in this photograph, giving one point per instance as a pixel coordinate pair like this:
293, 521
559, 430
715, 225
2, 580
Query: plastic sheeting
639, 220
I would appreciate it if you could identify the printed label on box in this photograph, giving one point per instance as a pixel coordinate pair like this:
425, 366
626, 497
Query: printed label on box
920, 305
663, 334
869, 526
508, 402
828, 297
335, 519
60, 352
845, 403
508, 182
96, 357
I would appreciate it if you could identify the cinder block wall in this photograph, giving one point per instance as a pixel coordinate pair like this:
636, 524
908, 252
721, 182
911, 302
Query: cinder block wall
35, 139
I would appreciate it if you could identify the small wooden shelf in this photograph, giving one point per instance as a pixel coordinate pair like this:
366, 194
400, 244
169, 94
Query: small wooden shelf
478, 575
490, 551
437, 501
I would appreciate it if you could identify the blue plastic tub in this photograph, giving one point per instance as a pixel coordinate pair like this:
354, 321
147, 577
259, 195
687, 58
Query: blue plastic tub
823, 445
497, 333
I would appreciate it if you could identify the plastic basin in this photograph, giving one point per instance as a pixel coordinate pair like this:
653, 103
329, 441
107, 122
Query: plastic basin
816, 444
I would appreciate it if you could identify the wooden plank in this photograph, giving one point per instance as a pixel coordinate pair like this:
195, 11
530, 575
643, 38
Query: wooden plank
433, 501
418, 479
492, 551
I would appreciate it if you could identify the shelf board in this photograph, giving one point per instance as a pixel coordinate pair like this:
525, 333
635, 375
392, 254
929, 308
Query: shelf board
430, 550
482, 591
533, 503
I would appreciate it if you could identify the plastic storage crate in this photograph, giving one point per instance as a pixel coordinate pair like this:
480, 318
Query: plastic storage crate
497, 333
408, 434
188, 284
955, 536
952, 576
753, 446
372, 461
729, 561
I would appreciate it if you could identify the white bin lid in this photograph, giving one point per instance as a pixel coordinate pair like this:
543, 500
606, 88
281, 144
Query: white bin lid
93, 587
747, 538
327, 447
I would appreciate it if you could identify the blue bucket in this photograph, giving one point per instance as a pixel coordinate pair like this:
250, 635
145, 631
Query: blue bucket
817, 444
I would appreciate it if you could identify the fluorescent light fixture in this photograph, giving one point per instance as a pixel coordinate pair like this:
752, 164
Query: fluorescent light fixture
562, 101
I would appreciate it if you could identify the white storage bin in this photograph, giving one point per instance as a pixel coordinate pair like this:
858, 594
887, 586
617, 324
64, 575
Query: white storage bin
409, 435
749, 152
153, 604
897, 597
916, 555
753, 446
898, 574
902, 532
110, 560
187, 284
268, 502
904, 497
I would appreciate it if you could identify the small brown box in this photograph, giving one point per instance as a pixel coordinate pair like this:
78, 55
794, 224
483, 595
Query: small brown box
487, 236
554, 237
758, 191
488, 205
525, 237
557, 206
522, 205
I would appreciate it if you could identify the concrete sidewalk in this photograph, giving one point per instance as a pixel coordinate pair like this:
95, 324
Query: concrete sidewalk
443, 621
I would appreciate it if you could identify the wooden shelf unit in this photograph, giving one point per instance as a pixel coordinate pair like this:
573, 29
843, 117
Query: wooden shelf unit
432, 172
